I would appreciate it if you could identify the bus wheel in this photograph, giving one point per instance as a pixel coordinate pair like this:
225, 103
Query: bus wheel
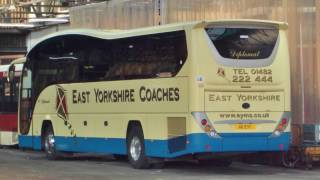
136, 149
49, 144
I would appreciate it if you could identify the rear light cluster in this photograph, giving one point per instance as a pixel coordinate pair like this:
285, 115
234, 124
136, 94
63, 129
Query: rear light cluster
282, 125
205, 124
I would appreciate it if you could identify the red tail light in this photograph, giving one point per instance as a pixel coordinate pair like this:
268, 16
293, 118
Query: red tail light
204, 122
283, 124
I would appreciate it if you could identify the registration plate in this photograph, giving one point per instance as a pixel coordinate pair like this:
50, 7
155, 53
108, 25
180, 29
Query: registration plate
245, 126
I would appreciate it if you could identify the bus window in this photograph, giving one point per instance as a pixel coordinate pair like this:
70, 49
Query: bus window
243, 43
150, 56
8, 102
98, 61
25, 101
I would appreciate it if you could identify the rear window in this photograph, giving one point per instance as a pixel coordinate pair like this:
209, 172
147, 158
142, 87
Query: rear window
243, 43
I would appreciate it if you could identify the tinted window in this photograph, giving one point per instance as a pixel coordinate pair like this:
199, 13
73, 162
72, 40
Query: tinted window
243, 43
151, 56
57, 61
25, 111
8, 95
76, 58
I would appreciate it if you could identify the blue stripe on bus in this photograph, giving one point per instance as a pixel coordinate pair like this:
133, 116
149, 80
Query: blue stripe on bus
30, 142
92, 145
196, 143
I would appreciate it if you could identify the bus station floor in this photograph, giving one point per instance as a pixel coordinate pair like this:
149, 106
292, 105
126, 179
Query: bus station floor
24, 165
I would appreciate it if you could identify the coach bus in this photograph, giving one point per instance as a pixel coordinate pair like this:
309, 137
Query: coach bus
9, 103
203, 89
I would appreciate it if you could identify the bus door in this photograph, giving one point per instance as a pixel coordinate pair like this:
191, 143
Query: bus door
25, 102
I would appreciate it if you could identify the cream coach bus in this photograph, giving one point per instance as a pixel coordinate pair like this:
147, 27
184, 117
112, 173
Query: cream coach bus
200, 88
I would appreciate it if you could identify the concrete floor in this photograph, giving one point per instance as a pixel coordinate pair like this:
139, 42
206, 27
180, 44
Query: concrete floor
17, 164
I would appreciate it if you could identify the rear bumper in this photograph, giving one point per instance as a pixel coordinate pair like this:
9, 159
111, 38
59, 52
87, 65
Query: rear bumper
8, 138
202, 143
239, 142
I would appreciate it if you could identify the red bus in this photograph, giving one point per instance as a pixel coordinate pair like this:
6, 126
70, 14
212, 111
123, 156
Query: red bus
9, 102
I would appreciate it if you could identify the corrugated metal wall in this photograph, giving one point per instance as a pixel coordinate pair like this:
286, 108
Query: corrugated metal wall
177, 10
303, 17
119, 14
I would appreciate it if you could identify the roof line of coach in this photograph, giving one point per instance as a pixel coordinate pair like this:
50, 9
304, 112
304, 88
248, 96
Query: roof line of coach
115, 34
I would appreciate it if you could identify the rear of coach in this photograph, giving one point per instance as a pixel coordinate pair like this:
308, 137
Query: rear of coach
239, 87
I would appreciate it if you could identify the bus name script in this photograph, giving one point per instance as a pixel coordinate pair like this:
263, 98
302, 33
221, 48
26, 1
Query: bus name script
244, 54
170, 94
240, 97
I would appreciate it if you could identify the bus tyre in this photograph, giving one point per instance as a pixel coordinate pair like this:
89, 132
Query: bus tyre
136, 149
49, 144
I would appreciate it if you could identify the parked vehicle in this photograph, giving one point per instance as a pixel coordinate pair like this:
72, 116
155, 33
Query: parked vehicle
9, 91
199, 88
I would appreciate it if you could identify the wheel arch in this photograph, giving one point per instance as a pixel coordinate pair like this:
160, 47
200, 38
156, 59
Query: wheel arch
132, 124
45, 124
